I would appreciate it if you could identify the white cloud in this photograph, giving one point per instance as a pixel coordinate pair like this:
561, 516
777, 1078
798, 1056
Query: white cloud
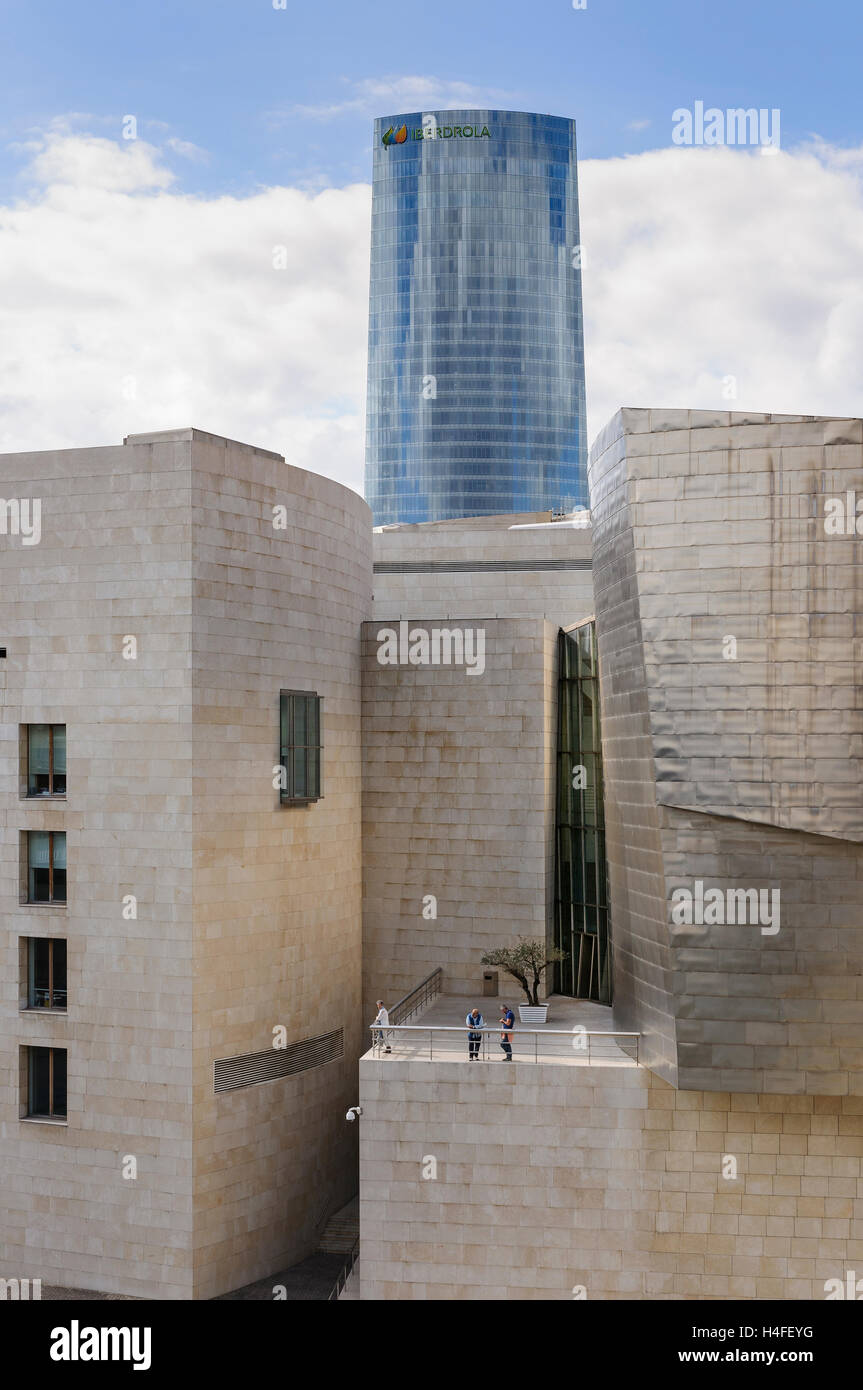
130, 306
186, 149
705, 264
378, 96
87, 161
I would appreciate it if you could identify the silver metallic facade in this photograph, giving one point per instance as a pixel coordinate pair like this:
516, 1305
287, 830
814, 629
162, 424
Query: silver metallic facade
730, 622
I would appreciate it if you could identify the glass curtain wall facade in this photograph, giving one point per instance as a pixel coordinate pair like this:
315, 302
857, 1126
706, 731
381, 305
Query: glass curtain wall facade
581, 919
476, 356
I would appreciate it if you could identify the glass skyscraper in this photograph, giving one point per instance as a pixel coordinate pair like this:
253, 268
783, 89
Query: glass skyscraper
476, 357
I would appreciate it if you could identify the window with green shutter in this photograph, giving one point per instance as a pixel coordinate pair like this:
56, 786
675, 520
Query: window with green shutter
300, 746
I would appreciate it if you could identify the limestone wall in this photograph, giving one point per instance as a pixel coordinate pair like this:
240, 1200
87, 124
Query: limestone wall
481, 567
114, 560
458, 804
277, 889
248, 914
555, 1182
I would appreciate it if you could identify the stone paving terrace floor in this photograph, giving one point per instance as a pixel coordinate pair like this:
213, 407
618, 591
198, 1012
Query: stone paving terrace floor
557, 1041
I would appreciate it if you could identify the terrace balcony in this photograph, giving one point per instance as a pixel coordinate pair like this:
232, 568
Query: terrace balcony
578, 1033
495, 1179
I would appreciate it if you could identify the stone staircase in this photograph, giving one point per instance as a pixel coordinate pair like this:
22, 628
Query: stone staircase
342, 1230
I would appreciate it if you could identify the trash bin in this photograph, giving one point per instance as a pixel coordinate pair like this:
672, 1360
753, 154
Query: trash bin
489, 984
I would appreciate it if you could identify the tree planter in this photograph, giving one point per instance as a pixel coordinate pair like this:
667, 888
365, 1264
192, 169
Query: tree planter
533, 1013
527, 962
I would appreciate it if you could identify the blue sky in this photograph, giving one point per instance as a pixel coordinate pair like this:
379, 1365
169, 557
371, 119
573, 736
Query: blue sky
286, 96
140, 287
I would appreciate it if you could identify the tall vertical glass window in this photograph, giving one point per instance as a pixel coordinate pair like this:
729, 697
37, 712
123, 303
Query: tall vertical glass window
581, 919
476, 357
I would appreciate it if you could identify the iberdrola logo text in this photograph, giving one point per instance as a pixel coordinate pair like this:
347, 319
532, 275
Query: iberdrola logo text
438, 132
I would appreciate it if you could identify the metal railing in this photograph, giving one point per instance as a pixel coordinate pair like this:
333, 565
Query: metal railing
345, 1272
425, 991
576, 1044
325, 1211
41, 998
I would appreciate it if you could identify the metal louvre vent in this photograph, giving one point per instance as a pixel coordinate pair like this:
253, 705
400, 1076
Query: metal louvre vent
229, 1073
475, 566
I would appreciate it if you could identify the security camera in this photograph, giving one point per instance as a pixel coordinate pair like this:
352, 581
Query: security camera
354, 1113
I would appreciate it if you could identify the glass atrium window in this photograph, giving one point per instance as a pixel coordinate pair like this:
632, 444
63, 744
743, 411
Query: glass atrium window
581, 918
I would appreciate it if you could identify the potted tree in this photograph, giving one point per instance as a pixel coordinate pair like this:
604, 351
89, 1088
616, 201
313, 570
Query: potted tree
527, 962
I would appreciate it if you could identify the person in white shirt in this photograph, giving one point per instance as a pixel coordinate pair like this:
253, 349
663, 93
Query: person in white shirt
382, 1019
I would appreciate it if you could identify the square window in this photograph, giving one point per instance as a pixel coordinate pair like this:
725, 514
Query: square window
45, 759
46, 866
45, 1081
46, 972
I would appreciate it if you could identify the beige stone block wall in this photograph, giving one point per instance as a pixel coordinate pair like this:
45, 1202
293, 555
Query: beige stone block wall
481, 566
453, 788
113, 560
248, 914
554, 1182
277, 889
458, 804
